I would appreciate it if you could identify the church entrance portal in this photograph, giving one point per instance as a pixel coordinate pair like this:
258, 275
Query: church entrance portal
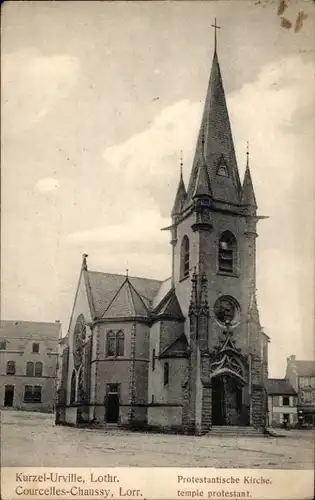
112, 404
226, 401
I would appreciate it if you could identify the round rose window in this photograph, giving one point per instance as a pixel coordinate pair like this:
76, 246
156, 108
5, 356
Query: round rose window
227, 310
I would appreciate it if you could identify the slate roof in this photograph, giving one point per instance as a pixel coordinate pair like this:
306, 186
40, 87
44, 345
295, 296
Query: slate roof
214, 143
180, 196
248, 197
279, 386
169, 306
126, 303
305, 368
29, 329
178, 347
165, 287
105, 286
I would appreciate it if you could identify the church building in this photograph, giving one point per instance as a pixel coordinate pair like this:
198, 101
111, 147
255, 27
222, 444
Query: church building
186, 354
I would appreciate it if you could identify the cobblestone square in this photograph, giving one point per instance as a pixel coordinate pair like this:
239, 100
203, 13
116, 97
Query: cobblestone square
32, 439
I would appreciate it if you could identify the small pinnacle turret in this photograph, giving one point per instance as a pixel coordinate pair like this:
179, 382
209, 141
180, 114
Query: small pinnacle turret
248, 194
202, 186
181, 193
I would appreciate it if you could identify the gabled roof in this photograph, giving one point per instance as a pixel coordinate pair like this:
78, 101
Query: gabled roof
126, 303
30, 329
305, 368
105, 286
178, 348
279, 386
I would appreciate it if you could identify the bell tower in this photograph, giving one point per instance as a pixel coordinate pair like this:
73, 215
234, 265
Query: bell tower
214, 251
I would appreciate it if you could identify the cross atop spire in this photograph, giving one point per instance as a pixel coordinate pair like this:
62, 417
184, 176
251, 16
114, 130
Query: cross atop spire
181, 163
215, 142
216, 27
247, 154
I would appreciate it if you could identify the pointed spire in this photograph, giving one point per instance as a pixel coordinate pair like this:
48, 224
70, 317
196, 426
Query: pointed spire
215, 141
84, 262
181, 192
248, 195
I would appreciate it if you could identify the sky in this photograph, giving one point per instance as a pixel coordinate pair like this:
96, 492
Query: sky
98, 100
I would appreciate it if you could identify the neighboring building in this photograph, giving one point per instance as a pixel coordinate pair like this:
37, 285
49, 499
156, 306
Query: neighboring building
282, 403
188, 352
28, 364
301, 375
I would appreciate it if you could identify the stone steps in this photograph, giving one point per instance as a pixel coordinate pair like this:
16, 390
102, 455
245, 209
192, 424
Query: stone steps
234, 431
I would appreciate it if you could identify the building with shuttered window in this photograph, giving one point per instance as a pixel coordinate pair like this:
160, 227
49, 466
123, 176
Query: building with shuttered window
28, 364
282, 403
301, 374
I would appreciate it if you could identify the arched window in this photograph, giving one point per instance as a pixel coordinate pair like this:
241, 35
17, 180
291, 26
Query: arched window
79, 339
115, 343
120, 343
227, 252
38, 369
73, 387
166, 373
11, 368
30, 369
80, 386
184, 258
111, 343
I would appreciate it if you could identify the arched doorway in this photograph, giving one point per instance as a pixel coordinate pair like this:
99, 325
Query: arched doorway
227, 400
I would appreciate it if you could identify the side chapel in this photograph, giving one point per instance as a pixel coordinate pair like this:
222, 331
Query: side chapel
187, 353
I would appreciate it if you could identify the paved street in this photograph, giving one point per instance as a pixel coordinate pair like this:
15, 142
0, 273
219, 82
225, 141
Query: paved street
32, 439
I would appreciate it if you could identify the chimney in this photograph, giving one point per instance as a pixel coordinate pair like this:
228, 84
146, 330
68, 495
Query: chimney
57, 321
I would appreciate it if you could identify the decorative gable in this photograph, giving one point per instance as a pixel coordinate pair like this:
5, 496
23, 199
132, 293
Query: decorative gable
226, 357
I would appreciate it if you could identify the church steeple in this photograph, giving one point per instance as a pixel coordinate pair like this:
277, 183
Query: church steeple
248, 195
218, 149
181, 193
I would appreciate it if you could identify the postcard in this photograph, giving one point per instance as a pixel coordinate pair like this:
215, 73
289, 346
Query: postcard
157, 301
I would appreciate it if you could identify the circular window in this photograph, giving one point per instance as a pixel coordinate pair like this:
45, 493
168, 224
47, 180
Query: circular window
227, 310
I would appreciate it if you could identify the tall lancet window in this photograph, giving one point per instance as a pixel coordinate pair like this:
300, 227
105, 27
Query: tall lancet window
73, 388
184, 258
227, 253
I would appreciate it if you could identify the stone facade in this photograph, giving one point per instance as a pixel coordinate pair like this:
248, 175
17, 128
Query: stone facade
28, 364
301, 375
187, 353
